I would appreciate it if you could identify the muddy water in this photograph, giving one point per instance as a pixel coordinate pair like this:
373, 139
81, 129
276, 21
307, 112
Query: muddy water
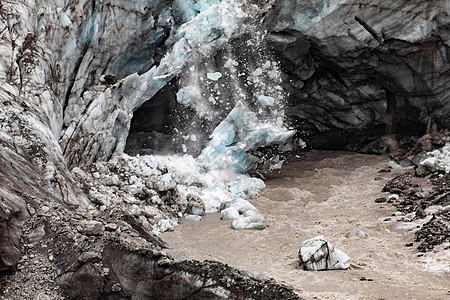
329, 193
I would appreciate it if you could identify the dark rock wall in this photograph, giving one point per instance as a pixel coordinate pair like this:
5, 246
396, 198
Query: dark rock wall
349, 87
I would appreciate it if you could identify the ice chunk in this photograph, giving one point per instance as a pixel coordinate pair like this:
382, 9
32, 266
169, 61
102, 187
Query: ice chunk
438, 159
183, 10
257, 72
166, 182
266, 65
203, 5
241, 205
230, 213
266, 100
214, 76
187, 94
192, 217
65, 21
251, 219
233, 137
247, 187
231, 63
393, 165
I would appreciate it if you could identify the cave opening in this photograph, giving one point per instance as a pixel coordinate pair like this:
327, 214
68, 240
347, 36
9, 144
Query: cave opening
153, 124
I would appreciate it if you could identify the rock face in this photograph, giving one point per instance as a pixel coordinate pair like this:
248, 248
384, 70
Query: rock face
358, 71
318, 254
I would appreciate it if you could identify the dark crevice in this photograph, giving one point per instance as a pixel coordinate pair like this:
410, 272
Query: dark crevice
72, 78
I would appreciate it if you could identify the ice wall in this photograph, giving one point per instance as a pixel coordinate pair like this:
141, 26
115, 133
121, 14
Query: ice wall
102, 127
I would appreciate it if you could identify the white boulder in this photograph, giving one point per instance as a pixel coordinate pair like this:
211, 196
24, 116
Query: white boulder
318, 254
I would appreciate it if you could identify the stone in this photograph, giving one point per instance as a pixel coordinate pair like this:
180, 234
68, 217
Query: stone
318, 253
380, 200
89, 257
92, 227
116, 287
111, 226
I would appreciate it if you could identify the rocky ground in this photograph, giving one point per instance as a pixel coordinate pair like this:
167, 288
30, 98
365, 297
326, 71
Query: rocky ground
98, 254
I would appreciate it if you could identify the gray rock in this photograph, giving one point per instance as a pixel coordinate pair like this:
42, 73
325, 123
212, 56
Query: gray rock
78, 174
89, 257
195, 205
116, 287
318, 254
92, 227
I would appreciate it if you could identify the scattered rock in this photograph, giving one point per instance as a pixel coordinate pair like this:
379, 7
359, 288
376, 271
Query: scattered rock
435, 232
116, 287
400, 182
318, 254
380, 200
111, 226
92, 227
89, 257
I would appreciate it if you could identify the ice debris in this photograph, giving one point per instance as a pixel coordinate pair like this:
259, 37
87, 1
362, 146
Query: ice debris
166, 182
229, 213
232, 138
438, 159
251, 219
187, 94
241, 205
214, 76
266, 100
318, 254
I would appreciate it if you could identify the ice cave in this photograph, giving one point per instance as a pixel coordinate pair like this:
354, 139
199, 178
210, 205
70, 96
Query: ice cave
224, 149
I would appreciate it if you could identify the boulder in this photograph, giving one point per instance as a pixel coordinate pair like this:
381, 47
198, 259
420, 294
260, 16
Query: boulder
318, 254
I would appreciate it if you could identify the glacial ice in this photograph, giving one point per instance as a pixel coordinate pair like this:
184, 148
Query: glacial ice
187, 94
266, 100
214, 76
230, 213
217, 175
251, 219
232, 138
